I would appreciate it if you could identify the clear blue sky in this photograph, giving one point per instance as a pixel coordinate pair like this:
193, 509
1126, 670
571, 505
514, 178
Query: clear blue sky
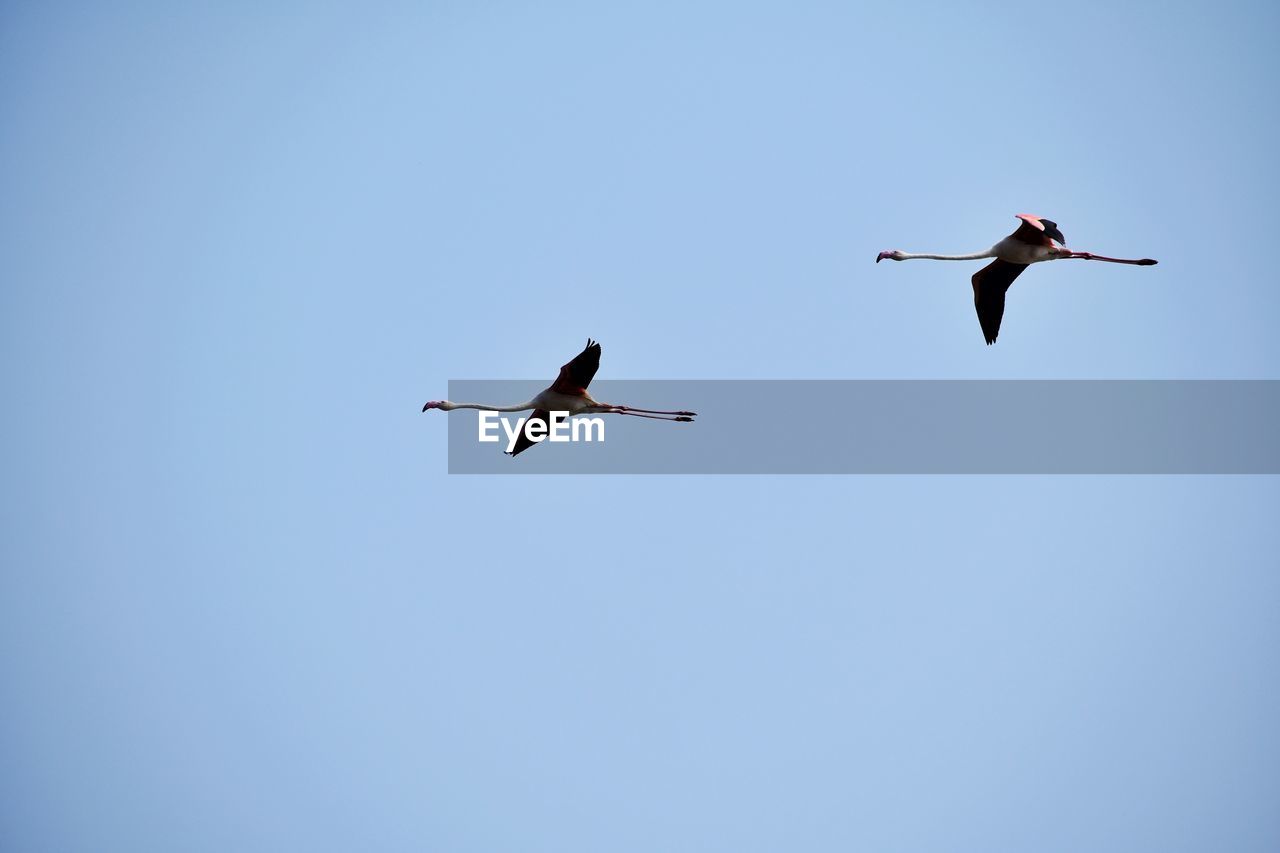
243, 607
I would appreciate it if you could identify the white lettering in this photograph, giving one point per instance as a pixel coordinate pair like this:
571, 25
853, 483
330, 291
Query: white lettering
587, 424
486, 424
512, 434
559, 426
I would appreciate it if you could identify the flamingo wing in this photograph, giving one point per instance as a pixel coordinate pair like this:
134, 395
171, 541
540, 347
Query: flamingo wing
989, 286
1037, 231
523, 442
1026, 233
577, 374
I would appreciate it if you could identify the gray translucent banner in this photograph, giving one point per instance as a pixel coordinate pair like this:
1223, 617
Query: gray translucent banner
896, 427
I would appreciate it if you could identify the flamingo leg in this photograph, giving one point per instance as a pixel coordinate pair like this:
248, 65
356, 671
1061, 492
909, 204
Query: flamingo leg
652, 411
1089, 256
617, 411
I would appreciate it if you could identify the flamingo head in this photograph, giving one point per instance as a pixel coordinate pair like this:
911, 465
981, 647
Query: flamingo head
437, 404
892, 254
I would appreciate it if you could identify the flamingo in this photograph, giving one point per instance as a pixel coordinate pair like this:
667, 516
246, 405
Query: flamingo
567, 394
1031, 243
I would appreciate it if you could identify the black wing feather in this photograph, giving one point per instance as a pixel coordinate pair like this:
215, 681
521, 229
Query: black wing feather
523, 442
989, 286
577, 374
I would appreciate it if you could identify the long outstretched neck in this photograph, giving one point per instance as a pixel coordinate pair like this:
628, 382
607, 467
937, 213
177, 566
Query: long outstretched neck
910, 256
448, 406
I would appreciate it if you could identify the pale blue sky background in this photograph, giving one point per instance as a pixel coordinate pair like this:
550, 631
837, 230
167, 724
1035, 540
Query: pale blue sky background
243, 608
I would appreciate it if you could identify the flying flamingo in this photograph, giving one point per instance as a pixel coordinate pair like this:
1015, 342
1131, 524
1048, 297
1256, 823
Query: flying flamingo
1031, 243
567, 394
